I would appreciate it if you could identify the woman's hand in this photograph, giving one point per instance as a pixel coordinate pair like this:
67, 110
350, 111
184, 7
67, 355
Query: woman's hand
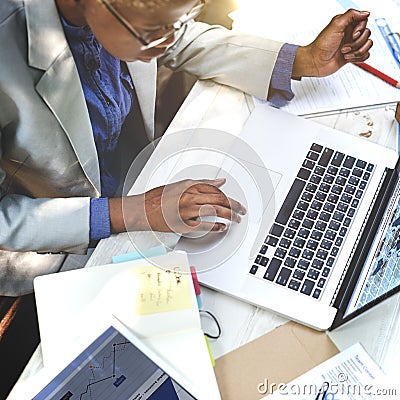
345, 39
175, 207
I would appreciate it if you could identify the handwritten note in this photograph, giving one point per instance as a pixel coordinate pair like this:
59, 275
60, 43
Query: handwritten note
161, 290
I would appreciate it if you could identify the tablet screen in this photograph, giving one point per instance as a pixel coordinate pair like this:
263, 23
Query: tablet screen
112, 367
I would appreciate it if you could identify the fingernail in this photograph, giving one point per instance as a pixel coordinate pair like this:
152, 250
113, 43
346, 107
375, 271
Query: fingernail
356, 34
346, 49
243, 211
222, 228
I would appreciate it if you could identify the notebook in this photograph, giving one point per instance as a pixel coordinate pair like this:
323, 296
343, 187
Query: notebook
117, 365
320, 246
153, 298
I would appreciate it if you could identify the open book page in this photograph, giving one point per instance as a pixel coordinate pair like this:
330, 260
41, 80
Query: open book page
349, 87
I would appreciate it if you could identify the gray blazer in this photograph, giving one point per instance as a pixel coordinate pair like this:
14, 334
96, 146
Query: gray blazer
48, 166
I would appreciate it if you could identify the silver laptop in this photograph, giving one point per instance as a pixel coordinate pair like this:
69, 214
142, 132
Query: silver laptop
322, 246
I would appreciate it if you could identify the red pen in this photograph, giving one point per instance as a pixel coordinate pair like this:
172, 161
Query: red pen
379, 74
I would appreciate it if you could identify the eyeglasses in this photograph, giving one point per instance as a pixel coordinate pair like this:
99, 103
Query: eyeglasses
155, 37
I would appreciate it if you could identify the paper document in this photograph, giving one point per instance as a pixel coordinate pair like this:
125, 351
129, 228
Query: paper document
349, 87
350, 375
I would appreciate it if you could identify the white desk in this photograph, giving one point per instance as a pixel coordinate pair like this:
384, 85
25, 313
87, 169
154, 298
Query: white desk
213, 106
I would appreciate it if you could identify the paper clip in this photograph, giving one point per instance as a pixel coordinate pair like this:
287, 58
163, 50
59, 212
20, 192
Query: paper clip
392, 39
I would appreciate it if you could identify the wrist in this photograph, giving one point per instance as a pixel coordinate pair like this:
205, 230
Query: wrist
303, 64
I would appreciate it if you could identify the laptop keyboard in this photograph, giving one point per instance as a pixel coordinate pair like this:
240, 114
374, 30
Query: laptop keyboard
309, 230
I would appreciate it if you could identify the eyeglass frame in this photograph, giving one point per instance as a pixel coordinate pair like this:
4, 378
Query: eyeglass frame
176, 27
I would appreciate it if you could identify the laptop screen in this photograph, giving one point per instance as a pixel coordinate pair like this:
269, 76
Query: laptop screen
112, 367
380, 275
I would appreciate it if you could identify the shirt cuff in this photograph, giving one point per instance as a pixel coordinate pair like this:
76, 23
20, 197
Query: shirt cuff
99, 219
280, 91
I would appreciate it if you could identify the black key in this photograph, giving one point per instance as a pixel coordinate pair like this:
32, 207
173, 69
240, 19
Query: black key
308, 223
290, 262
306, 196
335, 251
312, 155
326, 244
357, 172
316, 147
359, 194
333, 198
333, 170
316, 235
298, 274
315, 179
324, 187
320, 196
334, 225
264, 261
321, 282
347, 222
370, 167
317, 264
361, 164
304, 173
321, 226
299, 243
330, 235
366, 176
276, 230
303, 264
355, 203
272, 241
312, 245
285, 243
303, 233
337, 189
313, 274
324, 216
293, 252
343, 231
298, 214
351, 212
258, 259
322, 254
346, 198
283, 276
353, 180
294, 285
307, 254
308, 164
294, 224
342, 207
263, 249
363, 185
307, 287
349, 162
344, 172
319, 170
302, 205
316, 205
339, 241
253, 269
279, 252
330, 261
317, 293
312, 214
290, 201
289, 233
325, 272
325, 157
272, 270
337, 159
338, 216
350, 189
328, 179
340, 180
311, 187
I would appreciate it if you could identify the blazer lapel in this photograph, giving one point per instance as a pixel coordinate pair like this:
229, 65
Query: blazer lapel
144, 77
60, 85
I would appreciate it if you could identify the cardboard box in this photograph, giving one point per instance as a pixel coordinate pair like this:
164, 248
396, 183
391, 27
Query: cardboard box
279, 356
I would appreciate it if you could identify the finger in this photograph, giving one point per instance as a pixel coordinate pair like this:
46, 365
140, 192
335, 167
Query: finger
357, 44
197, 225
359, 29
359, 54
219, 199
350, 17
207, 210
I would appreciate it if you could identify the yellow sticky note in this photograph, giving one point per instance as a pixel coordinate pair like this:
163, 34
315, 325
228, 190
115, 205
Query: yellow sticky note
161, 290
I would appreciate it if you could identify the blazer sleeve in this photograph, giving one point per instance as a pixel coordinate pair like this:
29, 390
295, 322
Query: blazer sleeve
242, 61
